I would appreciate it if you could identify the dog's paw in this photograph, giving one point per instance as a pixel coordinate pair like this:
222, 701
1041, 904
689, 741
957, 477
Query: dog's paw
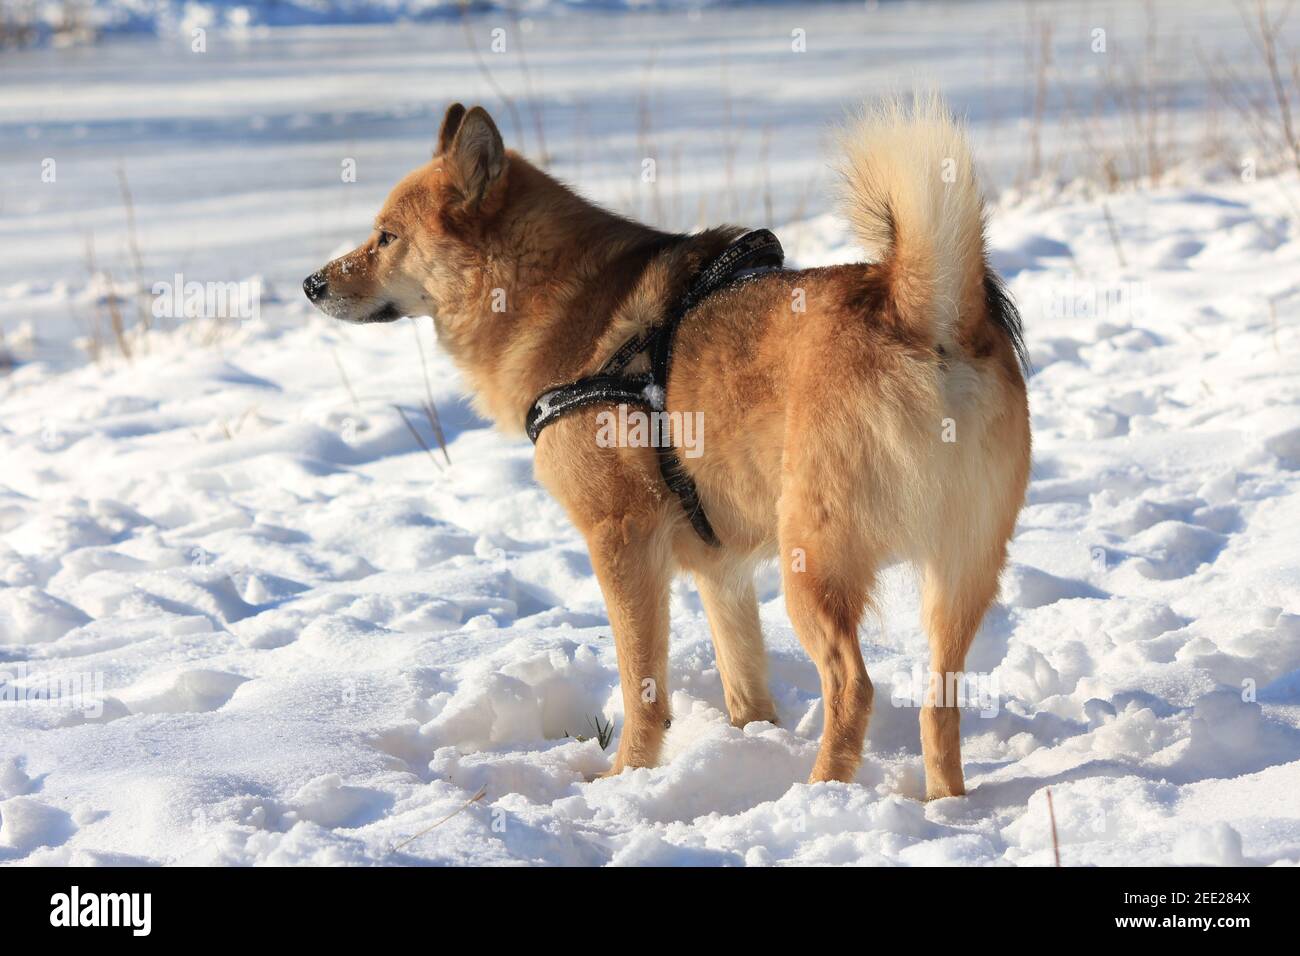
942, 793
613, 771
743, 720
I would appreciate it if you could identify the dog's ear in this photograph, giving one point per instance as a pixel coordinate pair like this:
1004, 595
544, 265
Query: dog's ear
477, 156
450, 123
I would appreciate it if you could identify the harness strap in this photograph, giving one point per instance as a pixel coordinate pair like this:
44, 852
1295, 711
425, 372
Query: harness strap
592, 390
749, 253
754, 253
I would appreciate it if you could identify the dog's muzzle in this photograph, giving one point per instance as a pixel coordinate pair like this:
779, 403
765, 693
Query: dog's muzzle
315, 286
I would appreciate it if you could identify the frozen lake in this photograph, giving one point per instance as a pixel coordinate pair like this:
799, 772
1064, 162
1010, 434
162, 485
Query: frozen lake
236, 156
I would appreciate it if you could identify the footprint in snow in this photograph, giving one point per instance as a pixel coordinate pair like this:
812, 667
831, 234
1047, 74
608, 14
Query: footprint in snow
27, 824
328, 802
1174, 252
1175, 549
1285, 447
30, 616
1028, 587
1134, 516
194, 691
14, 781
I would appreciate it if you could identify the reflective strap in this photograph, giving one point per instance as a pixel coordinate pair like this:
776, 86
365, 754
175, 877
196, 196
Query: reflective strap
753, 249
593, 390
627, 352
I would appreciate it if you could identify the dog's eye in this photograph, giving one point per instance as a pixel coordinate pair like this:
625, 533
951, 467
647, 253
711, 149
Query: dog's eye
385, 238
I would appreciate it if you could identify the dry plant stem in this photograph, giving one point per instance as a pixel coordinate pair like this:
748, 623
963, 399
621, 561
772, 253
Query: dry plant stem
1051, 815
1267, 42
1114, 235
430, 409
731, 144
482, 791
347, 383
675, 165
1269, 115
644, 144
505, 98
534, 105
764, 174
418, 437
94, 334
1040, 60
1152, 102
1252, 111
110, 304
137, 260
581, 133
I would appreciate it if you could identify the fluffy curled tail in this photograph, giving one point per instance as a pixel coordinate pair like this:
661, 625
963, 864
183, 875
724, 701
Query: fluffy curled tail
915, 206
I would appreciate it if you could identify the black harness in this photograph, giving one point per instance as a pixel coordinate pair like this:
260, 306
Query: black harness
754, 253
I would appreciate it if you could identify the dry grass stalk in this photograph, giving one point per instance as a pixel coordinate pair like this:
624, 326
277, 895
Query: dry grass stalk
137, 260
486, 72
1114, 235
1051, 815
1040, 61
1268, 113
534, 105
482, 791
110, 305
1266, 32
347, 383
430, 409
418, 437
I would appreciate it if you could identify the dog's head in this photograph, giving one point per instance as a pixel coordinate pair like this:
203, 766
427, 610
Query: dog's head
514, 266
426, 246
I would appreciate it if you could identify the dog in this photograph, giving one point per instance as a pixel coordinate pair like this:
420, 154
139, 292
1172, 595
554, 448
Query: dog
857, 415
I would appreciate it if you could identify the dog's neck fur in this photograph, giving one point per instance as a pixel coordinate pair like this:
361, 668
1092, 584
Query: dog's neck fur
578, 281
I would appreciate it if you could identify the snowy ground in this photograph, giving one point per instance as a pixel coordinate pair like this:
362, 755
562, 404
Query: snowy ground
278, 632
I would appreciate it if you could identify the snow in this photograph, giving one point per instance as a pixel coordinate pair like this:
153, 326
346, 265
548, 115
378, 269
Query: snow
246, 619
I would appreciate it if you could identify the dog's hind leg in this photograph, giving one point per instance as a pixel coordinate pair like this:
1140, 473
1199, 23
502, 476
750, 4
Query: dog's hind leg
729, 601
953, 603
827, 575
633, 564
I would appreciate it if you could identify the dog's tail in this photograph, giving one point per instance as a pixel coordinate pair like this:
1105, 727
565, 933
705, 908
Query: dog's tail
914, 204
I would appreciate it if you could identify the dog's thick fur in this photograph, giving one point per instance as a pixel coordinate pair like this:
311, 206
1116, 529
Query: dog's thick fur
886, 421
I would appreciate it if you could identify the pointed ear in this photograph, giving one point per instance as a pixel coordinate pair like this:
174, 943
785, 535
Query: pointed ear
476, 157
450, 123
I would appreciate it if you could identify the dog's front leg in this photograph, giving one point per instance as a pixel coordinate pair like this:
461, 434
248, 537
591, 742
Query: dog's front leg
633, 564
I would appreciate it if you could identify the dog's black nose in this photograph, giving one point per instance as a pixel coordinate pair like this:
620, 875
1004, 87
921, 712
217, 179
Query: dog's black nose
314, 285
